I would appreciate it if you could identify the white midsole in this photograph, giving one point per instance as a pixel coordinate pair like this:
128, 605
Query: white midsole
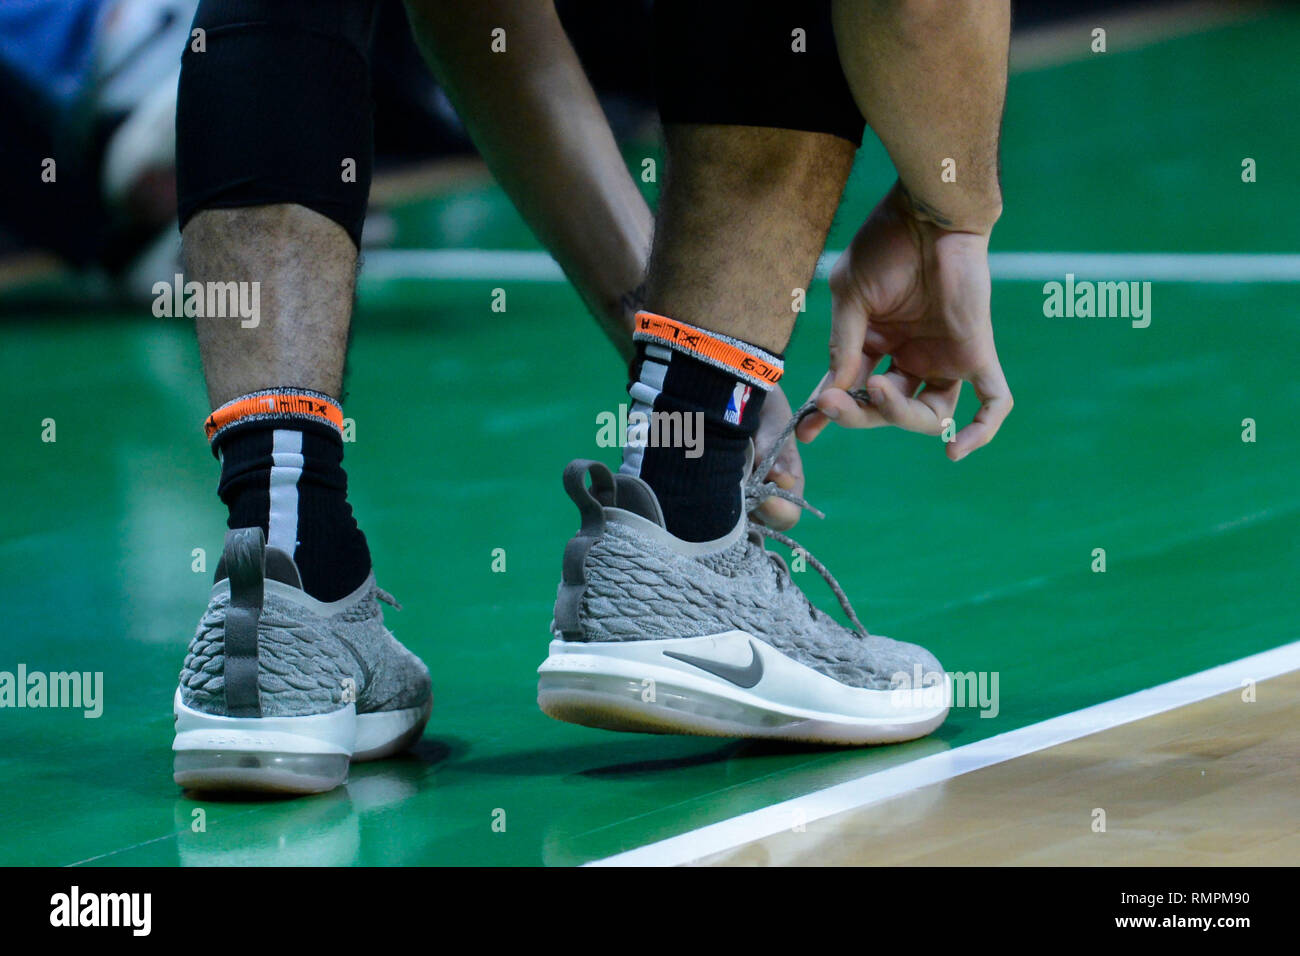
786, 685
381, 728
342, 731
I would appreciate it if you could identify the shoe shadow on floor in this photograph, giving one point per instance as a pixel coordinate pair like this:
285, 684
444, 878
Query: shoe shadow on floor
732, 750
635, 768
649, 753
735, 759
428, 753
635, 756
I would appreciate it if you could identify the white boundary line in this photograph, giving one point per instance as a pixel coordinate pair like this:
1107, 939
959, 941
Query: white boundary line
876, 787
491, 265
1150, 266
503, 265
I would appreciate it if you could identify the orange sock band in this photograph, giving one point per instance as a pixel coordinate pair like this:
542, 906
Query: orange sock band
275, 403
744, 360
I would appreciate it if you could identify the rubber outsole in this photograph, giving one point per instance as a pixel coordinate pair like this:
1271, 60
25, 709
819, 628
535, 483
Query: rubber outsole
610, 712
236, 771
633, 687
288, 755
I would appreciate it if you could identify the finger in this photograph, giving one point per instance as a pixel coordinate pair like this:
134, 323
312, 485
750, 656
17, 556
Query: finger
787, 472
788, 464
773, 417
895, 406
777, 513
942, 400
906, 384
837, 404
848, 331
995, 405
813, 425
847, 411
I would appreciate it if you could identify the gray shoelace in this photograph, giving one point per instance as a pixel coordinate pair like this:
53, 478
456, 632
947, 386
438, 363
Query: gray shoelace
756, 489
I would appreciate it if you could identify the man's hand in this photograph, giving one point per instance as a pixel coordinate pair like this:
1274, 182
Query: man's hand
787, 470
908, 289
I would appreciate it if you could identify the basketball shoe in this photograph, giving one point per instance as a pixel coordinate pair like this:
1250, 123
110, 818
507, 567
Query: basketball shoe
656, 634
279, 691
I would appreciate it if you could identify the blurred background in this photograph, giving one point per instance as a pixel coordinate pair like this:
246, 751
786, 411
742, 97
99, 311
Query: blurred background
92, 83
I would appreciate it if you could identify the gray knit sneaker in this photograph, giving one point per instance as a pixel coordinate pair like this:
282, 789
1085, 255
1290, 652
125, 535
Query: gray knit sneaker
280, 692
660, 635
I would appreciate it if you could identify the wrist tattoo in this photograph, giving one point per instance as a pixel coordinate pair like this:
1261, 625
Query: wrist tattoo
924, 209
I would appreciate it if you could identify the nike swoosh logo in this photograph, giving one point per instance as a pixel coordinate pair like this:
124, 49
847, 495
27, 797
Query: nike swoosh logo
746, 676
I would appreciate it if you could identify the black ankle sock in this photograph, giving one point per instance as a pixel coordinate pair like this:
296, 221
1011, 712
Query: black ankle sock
282, 471
720, 383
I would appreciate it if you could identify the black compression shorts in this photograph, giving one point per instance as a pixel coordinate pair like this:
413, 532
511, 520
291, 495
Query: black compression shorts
744, 63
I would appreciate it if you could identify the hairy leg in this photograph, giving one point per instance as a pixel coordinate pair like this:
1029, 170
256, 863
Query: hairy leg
741, 222
742, 219
305, 265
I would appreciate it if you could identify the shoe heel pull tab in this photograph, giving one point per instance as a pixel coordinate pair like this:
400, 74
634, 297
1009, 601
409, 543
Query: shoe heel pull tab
591, 503
244, 556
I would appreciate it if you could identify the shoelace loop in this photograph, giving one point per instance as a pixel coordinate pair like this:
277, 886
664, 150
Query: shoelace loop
757, 489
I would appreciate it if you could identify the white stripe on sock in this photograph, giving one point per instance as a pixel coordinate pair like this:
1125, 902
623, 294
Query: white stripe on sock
286, 469
647, 388
643, 391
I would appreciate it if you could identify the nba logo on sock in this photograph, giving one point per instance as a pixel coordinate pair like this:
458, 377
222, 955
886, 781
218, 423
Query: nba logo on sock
736, 404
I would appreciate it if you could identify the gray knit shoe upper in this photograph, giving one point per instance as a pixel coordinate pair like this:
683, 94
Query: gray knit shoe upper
312, 657
639, 588
626, 578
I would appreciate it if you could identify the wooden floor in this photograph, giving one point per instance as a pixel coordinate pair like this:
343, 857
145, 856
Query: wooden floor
1217, 782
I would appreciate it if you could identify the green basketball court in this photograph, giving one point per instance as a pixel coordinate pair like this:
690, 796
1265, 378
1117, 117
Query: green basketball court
1123, 439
